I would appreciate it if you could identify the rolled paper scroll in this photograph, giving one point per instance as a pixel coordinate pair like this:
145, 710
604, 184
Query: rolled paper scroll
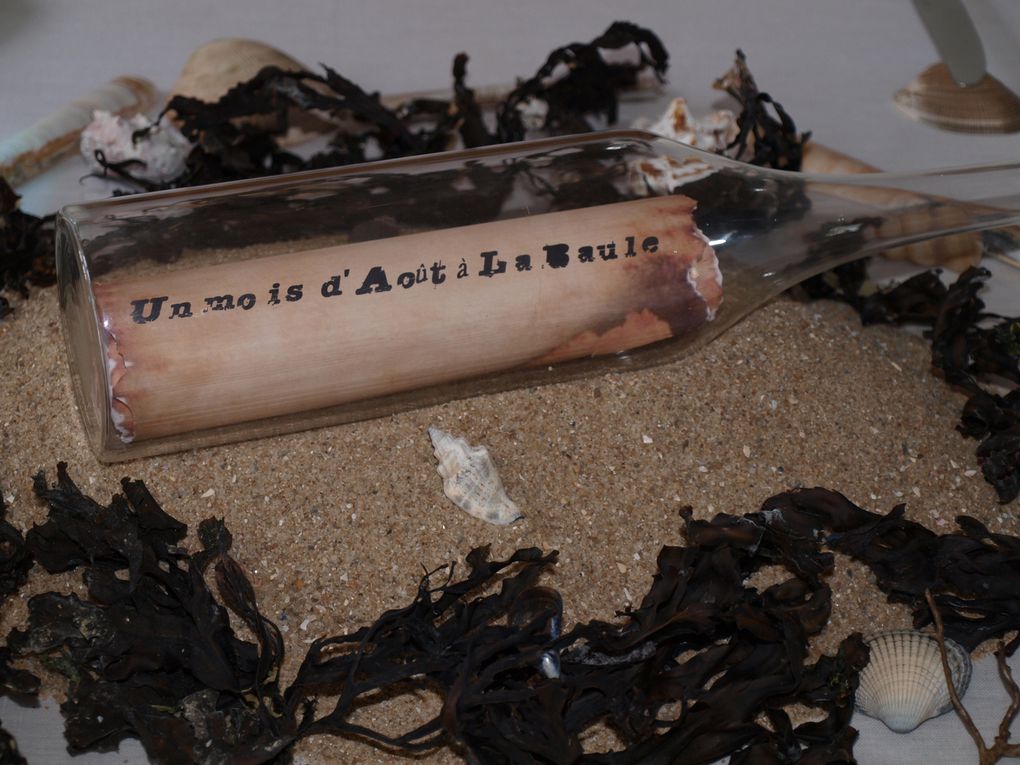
225, 344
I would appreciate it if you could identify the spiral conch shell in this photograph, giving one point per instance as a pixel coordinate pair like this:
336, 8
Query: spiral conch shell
470, 479
904, 684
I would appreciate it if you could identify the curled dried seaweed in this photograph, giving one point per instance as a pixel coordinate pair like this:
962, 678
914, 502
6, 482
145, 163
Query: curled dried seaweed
705, 667
971, 349
15, 562
579, 82
238, 136
26, 248
1001, 746
152, 653
764, 137
768, 138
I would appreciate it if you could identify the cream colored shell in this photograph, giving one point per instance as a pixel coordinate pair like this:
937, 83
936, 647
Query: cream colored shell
470, 479
903, 683
216, 67
935, 98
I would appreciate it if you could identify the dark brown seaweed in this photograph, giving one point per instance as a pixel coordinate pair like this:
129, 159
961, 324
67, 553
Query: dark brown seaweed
15, 562
26, 248
688, 676
971, 350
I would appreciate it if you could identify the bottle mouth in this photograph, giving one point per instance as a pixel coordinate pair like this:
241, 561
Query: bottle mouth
83, 335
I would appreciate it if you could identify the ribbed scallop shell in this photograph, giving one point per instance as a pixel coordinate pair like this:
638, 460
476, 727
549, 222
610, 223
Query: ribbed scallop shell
903, 684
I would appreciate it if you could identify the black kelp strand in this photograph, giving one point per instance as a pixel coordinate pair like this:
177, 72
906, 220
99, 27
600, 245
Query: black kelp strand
688, 676
15, 563
26, 248
971, 349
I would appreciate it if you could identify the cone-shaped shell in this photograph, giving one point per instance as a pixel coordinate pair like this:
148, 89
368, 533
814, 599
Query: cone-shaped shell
470, 479
903, 683
987, 107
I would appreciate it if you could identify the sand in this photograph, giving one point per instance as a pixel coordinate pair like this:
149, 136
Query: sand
333, 524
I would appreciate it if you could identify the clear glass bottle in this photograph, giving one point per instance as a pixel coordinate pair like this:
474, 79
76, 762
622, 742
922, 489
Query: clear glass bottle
200, 316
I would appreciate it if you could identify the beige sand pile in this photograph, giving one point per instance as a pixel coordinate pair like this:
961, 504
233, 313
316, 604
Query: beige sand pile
333, 524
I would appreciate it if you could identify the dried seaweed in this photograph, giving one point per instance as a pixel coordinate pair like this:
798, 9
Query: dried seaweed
238, 136
578, 83
703, 668
765, 137
26, 248
15, 562
971, 349
1001, 747
9, 754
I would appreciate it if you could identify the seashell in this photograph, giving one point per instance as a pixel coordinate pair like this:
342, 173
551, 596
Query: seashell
163, 150
470, 479
32, 150
658, 176
713, 132
216, 67
935, 98
903, 683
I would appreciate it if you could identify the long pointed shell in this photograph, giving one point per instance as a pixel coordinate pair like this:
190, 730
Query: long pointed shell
987, 107
903, 684
32, 150
470, 479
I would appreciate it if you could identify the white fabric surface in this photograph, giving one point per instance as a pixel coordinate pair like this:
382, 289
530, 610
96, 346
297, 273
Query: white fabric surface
834, 64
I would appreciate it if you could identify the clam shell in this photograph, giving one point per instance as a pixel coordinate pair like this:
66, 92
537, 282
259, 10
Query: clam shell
216, 67
470, 479
934, 97
903, 683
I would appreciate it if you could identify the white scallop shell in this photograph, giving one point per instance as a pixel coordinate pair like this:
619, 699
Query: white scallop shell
903, 683
470, 479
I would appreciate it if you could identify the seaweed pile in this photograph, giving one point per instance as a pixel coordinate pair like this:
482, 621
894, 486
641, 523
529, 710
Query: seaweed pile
690, 675
26, 248
231, 144
15, 563
972, 350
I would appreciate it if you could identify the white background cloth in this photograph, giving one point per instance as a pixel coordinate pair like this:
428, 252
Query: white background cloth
834, 65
